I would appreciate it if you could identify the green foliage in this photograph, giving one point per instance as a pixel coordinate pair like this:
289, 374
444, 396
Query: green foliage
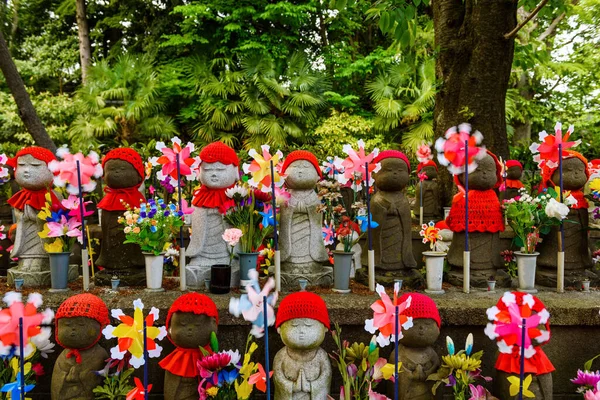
115, 387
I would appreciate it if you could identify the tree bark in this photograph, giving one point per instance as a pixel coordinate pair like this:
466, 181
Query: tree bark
85, 48
473, 67
17, 88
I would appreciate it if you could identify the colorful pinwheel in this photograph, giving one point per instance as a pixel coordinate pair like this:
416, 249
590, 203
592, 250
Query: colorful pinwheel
260, 169
328, 234
515, 383
4, 173
9, 322
424, 153
267, 215
332, 166
138, 392
130, 334
65, 171
250, 305
546, 152
430, 234
14, 388
506, 326
168, 161
383, 316
354, 166
451, 149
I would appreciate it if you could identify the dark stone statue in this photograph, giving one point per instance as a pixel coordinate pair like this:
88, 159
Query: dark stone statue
432, 210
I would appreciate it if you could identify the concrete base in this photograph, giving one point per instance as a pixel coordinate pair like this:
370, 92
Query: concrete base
411, 278
291, 281
129, 277
195, 276
479, 278
546, 277
37, 278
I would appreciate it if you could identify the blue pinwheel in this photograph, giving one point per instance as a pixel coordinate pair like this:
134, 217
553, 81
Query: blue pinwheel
364, 223
267, 216
14, 388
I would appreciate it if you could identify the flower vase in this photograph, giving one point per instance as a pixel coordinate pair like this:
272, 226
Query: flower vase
154, 271
491, 286
342, 264
585, 286
526, 264
59, 271
220, 278
434, 265
114, 284
247, 264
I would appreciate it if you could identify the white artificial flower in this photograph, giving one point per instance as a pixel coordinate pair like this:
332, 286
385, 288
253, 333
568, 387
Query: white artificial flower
235, 357
570, 200
555, 209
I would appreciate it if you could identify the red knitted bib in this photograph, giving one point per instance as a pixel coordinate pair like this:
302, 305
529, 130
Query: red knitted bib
485, 213
112, 200
34, 198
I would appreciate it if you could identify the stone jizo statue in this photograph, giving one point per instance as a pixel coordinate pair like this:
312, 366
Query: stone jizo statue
432, 210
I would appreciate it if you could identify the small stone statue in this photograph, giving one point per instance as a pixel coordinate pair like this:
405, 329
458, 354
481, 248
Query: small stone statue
79, 323
34, 177
514, 171
577, 254
508, 363
485, 223
218, 172
302, 370
301, 240
123, 175
392, 239
432, 210
415, 349
190, 321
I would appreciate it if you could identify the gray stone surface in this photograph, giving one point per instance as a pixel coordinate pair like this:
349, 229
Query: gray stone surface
196, 275
432, 209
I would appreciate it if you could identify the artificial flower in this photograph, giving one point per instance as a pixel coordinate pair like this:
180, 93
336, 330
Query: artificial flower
260, 169
451, 149
515, 383
138, 392
586, 379
232, 236
424, 153
259, 379
555, 209
328, 234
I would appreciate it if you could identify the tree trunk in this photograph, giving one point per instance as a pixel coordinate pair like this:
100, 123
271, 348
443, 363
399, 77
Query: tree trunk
17, 88
473, 66
85, 48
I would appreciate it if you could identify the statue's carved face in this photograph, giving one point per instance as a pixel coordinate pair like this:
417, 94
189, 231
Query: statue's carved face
301, 175
431, 172
514, 173
393, 175
190, 331
302, 333
78, 332
574, 177
218, 175
423, 333
33, 174
484, 177
120, 174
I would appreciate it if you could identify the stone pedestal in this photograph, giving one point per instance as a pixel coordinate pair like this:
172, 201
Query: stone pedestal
411, 278
195, 276
37, 278
290, 278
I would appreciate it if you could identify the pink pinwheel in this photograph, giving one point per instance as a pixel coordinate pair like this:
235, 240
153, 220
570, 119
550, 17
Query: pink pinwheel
138, 392
260, 169
328, 234
451, 149
9, 321
422, 176
383, 316
250, 305
184, 207
3, 170
424, 153
332, 167
354, 165
506, 326
546, 152
168, 160
65, 171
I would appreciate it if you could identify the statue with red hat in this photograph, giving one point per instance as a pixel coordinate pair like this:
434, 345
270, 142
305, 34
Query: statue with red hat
432, 209
219, 171
514, 172
123, 176
303, 252
35, 179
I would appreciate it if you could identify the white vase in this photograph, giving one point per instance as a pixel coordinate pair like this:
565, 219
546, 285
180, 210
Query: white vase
434, 265
154, 272
526, 265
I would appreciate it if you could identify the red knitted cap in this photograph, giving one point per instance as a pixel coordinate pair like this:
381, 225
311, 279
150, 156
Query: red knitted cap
514, 163
219, 152
126, 154
392, 154
302, 305
421, 307
83, 305
301, 155
429, 163
196, 303
548, 172
39, 153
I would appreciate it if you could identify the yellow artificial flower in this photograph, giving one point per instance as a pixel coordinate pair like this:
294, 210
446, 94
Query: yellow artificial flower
54, 247
388, 370
44, 233
461, 362
212, 392
243, 389
595, 185
514, 386
14, 364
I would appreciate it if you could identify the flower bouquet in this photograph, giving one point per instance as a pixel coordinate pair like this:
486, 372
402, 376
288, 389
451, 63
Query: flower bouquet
361, 368
225, 376
62, 226
152, 226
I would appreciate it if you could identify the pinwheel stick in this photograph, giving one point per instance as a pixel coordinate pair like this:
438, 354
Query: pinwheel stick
21, 353
396, 387
275, 237
522, 369
182, 282
467, 254
371, 253
84, 251
560, 274
421, 204
267, 367
145, 362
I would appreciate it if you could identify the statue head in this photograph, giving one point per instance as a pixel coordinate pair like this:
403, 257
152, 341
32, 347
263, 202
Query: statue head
514, 169
394, 173
302, 170
575, 172
429, 168
487, 175
79, 321
123, 168
219, 167
191, 320
302, 321
426, 321
31, 168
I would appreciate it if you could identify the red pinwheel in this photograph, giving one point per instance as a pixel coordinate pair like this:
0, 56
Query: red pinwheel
168, 160
138, 392
451, 149
65, 171
383, 316
424, 153
546, 152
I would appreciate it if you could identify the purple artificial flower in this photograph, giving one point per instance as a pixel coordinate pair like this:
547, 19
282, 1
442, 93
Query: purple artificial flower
586, 379
166, 183
596, 213
352, 370
451, 380
477, 392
